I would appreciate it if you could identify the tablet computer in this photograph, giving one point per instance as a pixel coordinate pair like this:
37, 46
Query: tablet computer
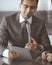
24, 53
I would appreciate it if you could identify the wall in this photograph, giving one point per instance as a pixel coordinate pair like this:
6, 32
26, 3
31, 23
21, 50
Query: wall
13, 5
9, 5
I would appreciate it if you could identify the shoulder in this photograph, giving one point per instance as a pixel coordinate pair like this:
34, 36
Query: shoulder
6, 20
37, 20
13, 16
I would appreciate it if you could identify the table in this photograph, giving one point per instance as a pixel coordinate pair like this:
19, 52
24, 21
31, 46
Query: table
37, 61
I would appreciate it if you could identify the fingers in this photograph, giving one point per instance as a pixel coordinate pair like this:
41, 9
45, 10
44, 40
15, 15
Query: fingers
49, 57
29, 46
33, 40
32, 46
13, 55
34, 43
44, 55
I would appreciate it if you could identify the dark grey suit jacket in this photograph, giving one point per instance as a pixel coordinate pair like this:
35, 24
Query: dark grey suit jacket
10, 30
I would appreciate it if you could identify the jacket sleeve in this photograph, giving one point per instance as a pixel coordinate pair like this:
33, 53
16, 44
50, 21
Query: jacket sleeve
3, 35
44, 40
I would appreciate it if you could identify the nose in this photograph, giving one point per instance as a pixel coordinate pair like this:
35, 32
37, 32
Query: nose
28, 10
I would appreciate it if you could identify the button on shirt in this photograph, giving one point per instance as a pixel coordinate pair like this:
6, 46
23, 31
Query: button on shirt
28, 25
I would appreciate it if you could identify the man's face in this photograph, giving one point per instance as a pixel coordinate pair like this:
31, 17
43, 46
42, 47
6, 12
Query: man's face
28, 8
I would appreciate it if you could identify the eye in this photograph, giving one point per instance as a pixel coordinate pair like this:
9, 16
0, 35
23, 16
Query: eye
26, 6
33, 7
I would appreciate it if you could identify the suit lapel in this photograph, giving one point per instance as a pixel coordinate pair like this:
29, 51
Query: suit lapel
19, 25
33, 26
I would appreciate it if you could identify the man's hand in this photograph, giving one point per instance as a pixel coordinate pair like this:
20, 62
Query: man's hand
13, 55
44, 55
32, 46
47, 56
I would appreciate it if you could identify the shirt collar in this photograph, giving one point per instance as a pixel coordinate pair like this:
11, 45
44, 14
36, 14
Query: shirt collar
21, 19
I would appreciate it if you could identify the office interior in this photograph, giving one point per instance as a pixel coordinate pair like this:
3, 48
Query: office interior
44, 11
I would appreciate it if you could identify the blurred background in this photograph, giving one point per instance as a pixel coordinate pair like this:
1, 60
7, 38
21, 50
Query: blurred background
44, 11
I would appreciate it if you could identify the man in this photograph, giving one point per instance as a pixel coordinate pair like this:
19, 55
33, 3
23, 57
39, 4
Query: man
11, 30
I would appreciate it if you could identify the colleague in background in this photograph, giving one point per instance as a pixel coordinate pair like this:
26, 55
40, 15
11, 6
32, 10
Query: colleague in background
12, 30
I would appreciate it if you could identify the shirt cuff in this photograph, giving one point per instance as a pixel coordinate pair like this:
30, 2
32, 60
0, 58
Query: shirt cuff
40, 50
41, 46
5, 53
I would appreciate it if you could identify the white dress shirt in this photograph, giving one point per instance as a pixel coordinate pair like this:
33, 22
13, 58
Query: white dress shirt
21, 20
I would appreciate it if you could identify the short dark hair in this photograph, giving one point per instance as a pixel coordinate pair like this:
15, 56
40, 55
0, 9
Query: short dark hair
30, 0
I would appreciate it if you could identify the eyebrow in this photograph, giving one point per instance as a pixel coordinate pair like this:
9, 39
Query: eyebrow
28, 5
